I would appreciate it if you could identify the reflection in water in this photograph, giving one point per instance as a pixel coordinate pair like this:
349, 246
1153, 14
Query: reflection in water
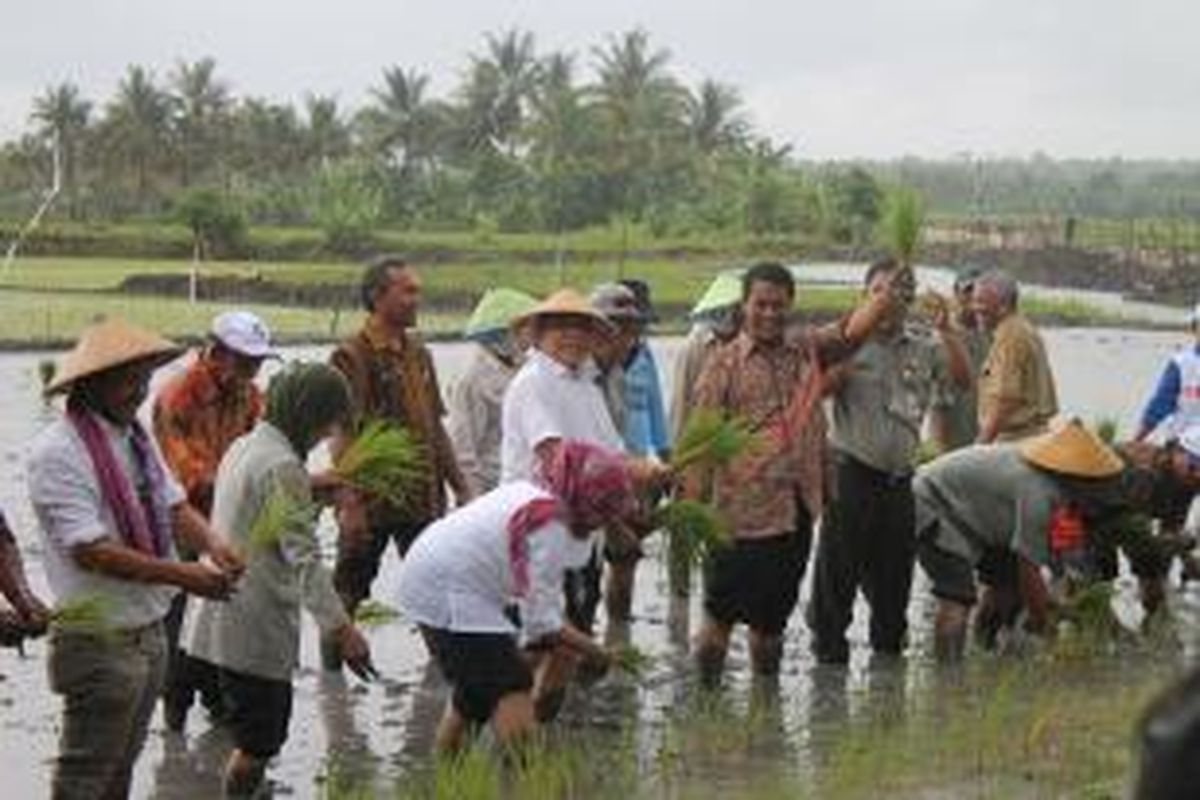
386, 730
184, 772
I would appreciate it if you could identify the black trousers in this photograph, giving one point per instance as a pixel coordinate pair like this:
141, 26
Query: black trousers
582, 589
187, 676
867, 542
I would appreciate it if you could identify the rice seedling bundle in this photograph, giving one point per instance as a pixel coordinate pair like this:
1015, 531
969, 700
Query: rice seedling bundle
711, 438
384, 461
372, 613
90, 614
631, 660
903, 218
280, 512
696, 529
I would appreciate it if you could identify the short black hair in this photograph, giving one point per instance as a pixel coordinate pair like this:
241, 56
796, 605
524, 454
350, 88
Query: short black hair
771, 272
376, 277
880, 267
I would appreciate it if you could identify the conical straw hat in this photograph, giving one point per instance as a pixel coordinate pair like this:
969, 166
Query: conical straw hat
724, 291
496, 311
1072, 449
565, 302
109, 343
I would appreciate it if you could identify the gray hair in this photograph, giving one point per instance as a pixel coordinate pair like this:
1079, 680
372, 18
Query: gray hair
1001, 284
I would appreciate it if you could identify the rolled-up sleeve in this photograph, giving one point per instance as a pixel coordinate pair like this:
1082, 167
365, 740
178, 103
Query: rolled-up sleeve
66, 496
542, 614
301, 550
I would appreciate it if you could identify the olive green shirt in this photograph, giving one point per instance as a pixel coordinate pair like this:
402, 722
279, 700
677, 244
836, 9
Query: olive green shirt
880, 404
959, 406
986, 497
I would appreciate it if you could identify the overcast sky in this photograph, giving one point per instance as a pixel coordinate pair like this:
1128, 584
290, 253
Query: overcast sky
839, 78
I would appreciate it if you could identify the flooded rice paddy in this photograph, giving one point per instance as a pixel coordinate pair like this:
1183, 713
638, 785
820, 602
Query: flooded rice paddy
650, 734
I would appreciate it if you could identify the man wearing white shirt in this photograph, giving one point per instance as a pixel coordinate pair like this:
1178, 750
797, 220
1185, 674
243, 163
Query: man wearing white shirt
109, 510
555, 396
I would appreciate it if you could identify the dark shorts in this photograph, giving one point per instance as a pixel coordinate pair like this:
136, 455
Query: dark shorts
757, 581
259, 711
952, 577
482, 668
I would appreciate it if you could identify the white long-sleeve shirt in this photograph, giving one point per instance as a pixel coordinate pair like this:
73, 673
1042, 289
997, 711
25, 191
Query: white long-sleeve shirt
457, 575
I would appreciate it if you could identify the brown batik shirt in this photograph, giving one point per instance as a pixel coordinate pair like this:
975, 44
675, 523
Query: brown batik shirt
777, 389
394, 379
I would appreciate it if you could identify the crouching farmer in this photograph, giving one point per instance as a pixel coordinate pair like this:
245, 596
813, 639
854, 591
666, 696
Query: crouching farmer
1026, 506
491, 574
263, 498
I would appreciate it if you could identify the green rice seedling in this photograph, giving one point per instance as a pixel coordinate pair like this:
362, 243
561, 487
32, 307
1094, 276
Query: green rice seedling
385, 461
903, 218
280, 512
631, 660
696, 529
372, 614
1106, 429
711, 438
89, 614
46, 371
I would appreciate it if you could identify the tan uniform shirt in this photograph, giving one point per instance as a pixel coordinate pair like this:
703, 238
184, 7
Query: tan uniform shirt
1017, 372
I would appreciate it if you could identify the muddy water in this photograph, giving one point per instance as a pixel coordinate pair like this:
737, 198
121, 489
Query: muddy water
386, 728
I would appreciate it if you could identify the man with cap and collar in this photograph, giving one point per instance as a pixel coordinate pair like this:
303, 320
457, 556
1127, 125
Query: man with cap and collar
110, 512
197, 414
1047, 499
646, 429
630, 392
954, 416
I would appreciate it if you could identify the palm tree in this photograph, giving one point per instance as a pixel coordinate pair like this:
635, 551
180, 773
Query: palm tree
137, 122
267, 140
401, 122
61, 115
642, 108
714, 119
513, 65
326, 136
201, 116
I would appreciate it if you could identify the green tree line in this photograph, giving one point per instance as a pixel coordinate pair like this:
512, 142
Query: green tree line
526, 141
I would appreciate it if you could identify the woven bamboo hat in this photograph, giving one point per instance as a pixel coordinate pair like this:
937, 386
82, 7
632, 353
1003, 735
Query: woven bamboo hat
1072, 449
565, 302
109, 343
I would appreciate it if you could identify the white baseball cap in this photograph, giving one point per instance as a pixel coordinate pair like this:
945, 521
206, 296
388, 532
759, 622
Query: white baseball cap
1194, 315
243, 332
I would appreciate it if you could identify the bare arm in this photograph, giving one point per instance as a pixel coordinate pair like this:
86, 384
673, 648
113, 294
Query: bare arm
195, 531
108, 557
1035, 595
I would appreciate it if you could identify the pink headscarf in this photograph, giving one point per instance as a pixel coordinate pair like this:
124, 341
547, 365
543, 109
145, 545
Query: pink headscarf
591, 486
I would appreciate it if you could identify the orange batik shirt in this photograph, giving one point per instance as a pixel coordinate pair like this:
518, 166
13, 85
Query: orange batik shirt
196, 418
